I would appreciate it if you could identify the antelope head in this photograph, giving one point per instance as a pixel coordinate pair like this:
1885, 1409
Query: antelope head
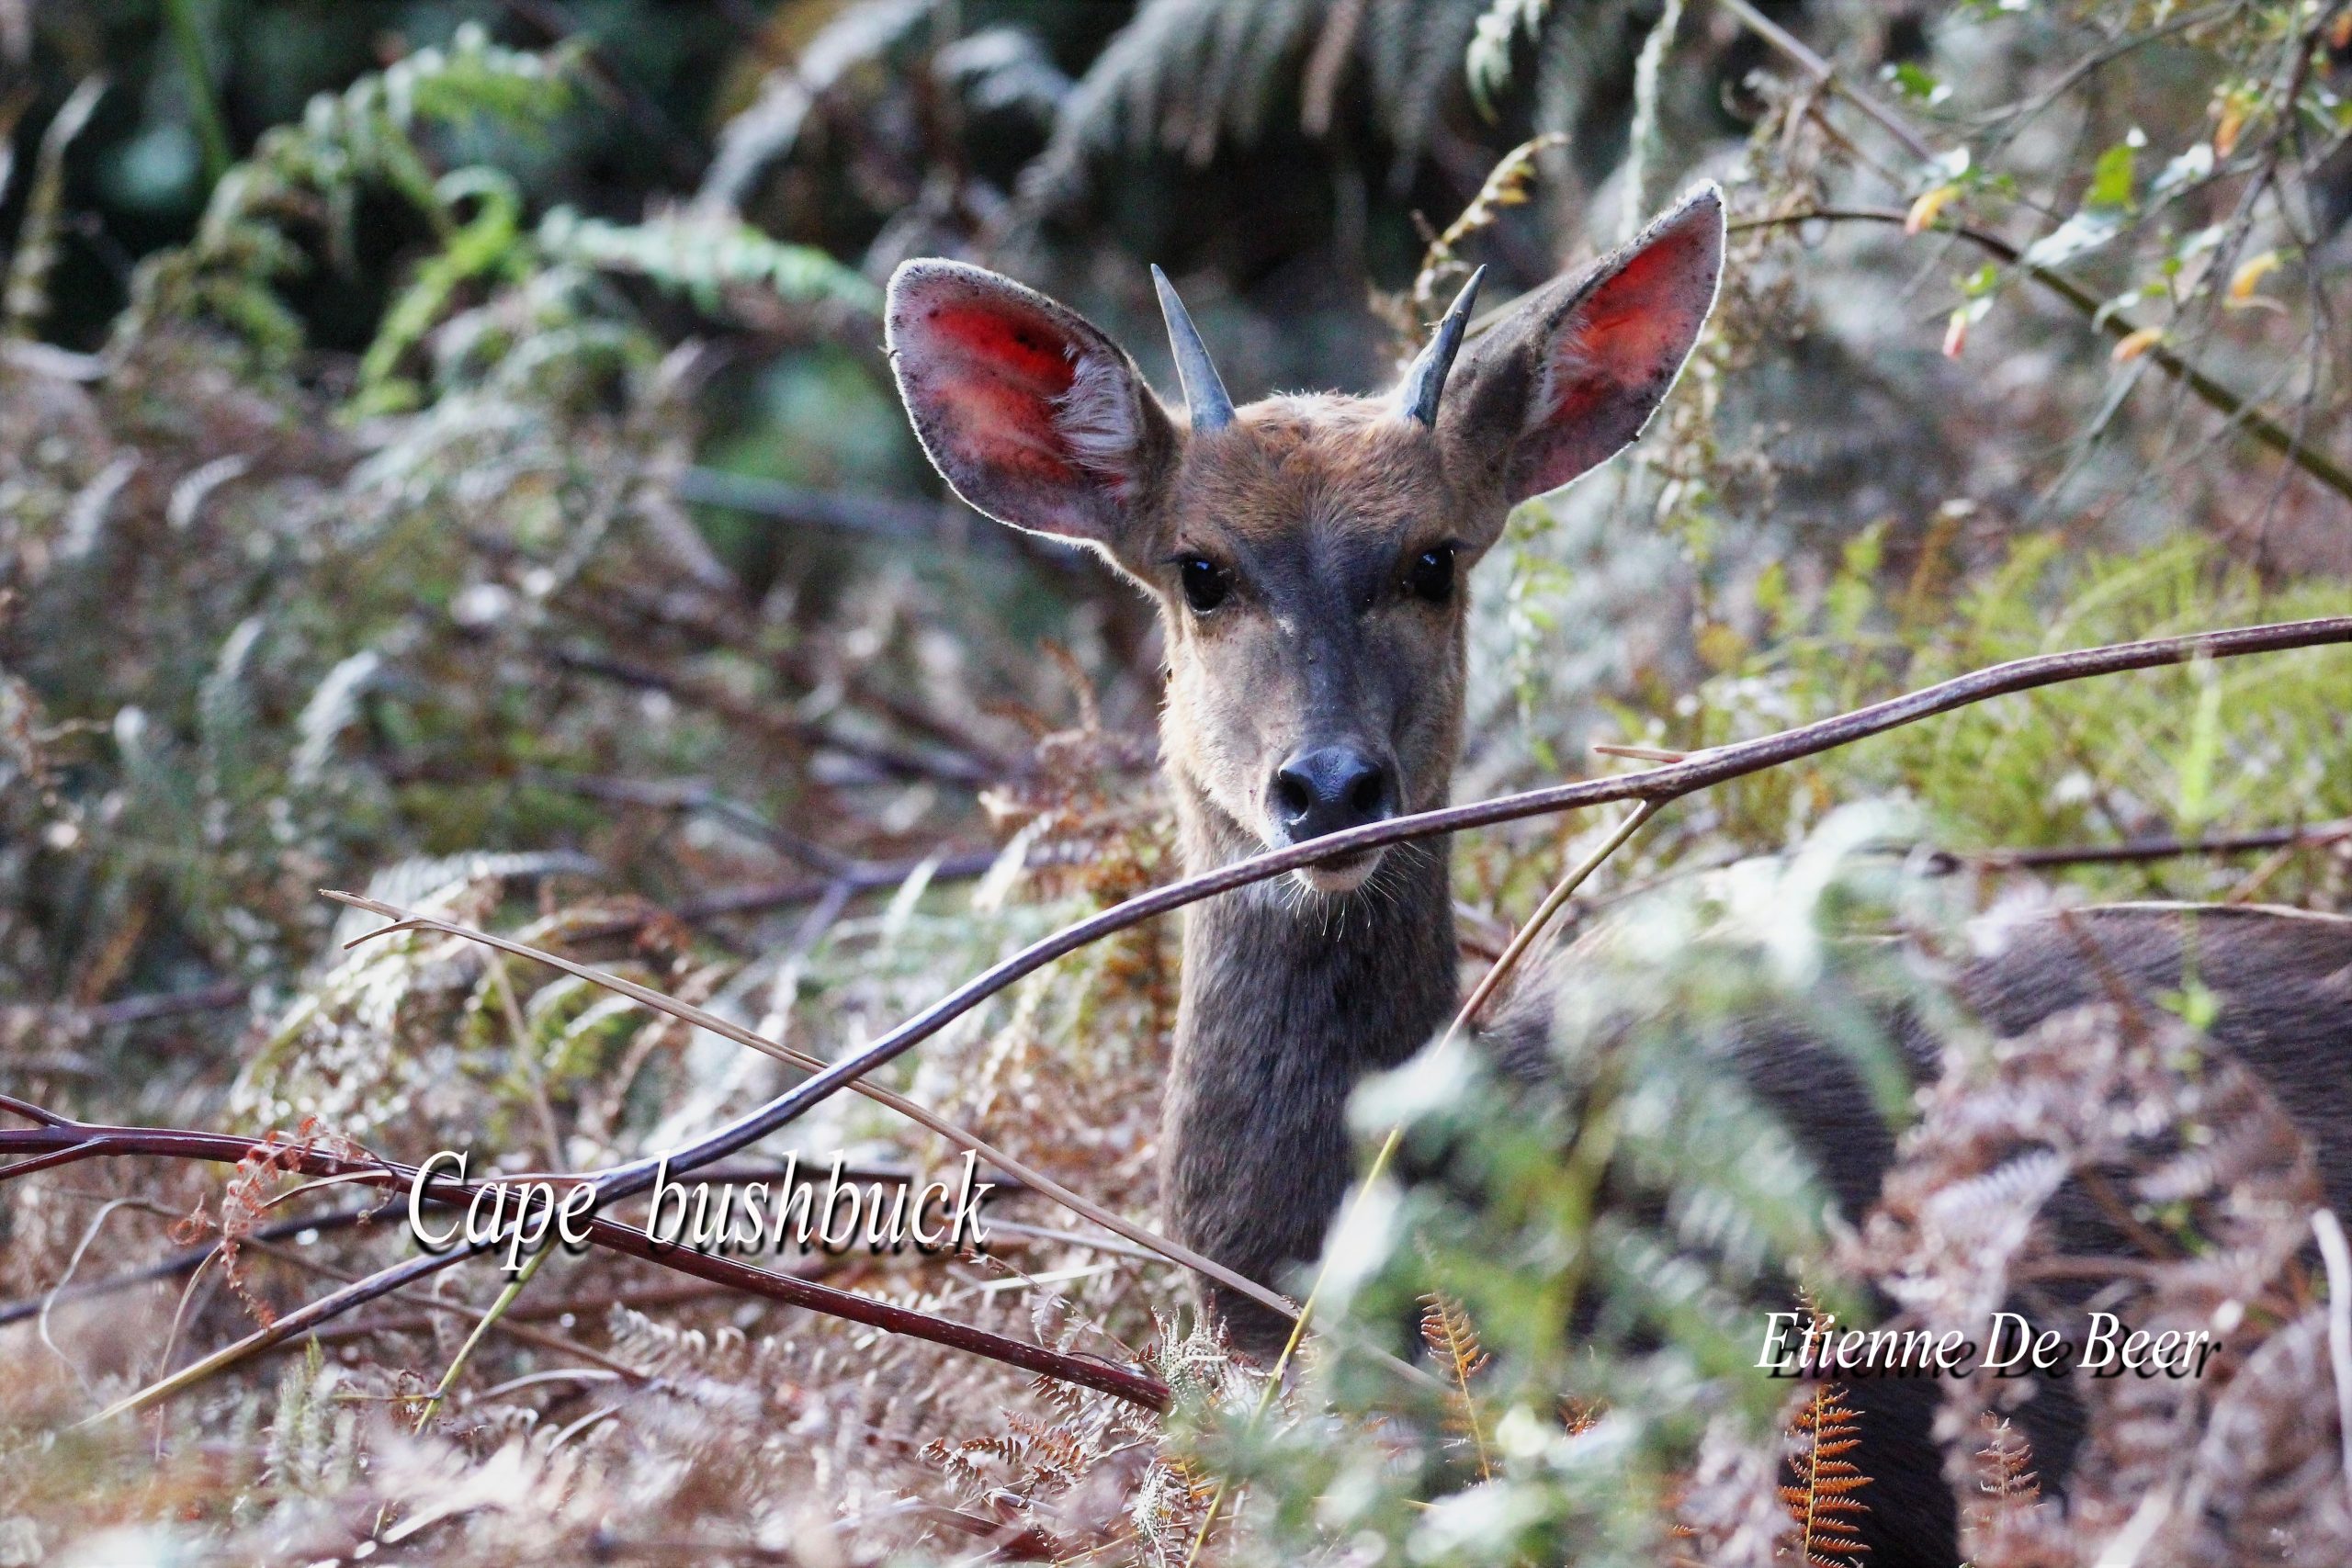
1308, 553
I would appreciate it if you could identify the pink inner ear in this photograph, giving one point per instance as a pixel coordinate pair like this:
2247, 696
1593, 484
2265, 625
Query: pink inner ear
1634, 326
1001, 370
1034, 416
1617, 353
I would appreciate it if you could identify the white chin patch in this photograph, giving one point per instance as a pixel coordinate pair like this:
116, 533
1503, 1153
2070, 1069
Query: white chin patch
1339, 876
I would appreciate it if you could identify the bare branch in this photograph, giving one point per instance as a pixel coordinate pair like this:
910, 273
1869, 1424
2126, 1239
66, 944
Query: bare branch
2133, 852
1824, 74
2114, 323
1670, 781
408, 919
64, 1142
57, 1141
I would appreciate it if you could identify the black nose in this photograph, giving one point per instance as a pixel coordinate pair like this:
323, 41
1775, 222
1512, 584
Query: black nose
1330, 788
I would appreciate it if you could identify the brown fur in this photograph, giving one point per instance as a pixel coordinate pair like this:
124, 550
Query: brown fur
1316, 505
1313, 509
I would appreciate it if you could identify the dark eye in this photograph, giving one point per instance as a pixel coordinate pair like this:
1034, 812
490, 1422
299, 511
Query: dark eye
1430, 577
1205, 585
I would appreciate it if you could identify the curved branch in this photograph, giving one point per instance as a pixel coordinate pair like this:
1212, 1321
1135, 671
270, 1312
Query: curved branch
701, 1018
1700, 771
184, 1262
1825, 76
62, 1142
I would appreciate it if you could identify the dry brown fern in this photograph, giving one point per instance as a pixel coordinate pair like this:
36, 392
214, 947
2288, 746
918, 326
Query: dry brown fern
1066, 1477
2208, 1188
258, 1182
1727, 1511
1452, 1339
2005, 1474
1820, 1493
2007, 1524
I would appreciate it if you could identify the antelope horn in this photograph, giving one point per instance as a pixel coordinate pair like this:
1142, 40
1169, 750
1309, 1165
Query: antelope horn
1205, 402
1424, 382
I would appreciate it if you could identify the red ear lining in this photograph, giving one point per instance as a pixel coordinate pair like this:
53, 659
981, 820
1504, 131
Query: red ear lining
1609, 362
994, 341
1639, 323
997, 376
1643, 319
1032, 414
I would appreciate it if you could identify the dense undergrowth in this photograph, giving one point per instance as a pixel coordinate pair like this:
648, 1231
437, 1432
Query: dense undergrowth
458, 612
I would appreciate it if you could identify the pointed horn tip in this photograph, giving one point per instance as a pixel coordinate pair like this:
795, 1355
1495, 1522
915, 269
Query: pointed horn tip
1424, 382
1206, 403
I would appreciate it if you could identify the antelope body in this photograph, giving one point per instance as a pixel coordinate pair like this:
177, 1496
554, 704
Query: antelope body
1307, 553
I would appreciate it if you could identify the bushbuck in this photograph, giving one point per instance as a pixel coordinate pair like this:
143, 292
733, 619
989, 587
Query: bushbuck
1308, 556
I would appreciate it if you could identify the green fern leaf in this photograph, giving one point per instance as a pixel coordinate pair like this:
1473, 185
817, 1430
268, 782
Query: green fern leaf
1487, 60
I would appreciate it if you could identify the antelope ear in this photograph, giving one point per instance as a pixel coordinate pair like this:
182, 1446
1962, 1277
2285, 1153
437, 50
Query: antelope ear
1030, 413
1575, 370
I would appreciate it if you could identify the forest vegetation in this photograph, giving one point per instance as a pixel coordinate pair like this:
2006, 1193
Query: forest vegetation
447, 455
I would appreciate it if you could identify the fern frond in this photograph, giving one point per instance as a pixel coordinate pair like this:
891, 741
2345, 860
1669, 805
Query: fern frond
1486, 62
28, 287
364, 136
2007, 1524
767, 132
1820, 1497
1450, 1335
701, 254
2005, 1468
1415, 48
1643, 141
333, 707
1181, 75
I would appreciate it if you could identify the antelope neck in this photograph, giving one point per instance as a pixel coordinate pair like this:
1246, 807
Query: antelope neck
1287, 1003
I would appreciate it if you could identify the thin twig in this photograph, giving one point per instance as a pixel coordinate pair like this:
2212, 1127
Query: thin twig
1554, 902
1824, 74
89, 1234
506, 1298
65, 1142
1662, 783
409, 919
2131, 852
31, 1113
649, 1297
53, 1142
841, 511
452, 1306
693, 795
2114, 323
287, 1328
336, 1219
891, 760
216, 998
192, 1258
